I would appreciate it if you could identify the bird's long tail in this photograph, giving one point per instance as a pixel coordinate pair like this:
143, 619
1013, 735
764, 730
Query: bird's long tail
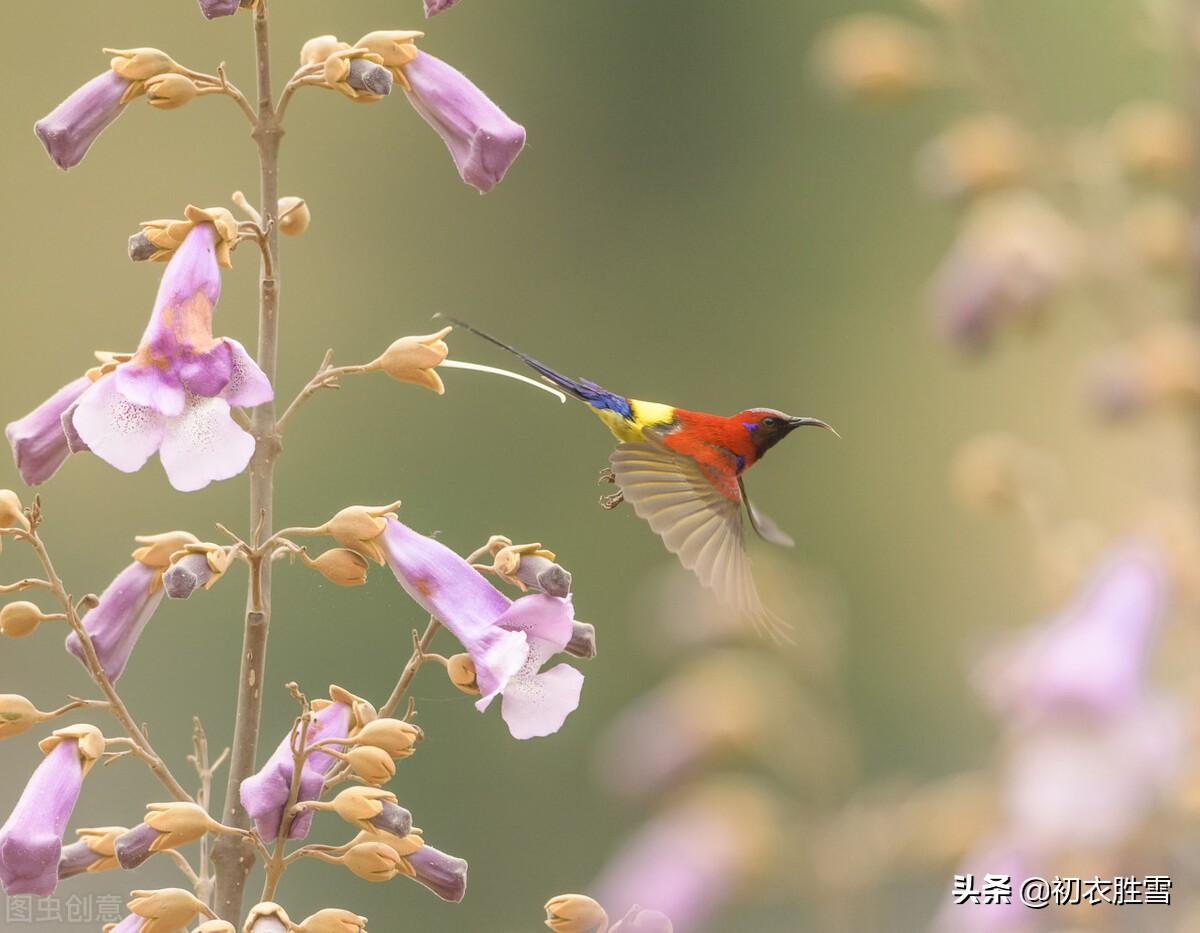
583, 391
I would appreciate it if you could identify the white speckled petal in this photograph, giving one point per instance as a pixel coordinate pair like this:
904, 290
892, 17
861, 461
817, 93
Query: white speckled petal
539, 705
116, 430
248, 386
204, 444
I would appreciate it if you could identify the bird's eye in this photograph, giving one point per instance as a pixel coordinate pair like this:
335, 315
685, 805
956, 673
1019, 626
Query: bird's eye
770, 422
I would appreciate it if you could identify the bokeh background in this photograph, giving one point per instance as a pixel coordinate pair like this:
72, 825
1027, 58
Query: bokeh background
696, 221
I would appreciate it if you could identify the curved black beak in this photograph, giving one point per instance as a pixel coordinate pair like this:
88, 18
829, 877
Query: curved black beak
814, 422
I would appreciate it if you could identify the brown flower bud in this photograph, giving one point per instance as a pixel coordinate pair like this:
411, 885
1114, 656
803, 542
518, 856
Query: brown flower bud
414, 360
89, 738
375, 861
294, 216
319, 48
404, 846
1159, 231
371, 764
461, 671
94, 852
575, 913
362, 711
216, 926
395, 48
12, 513
157, 551
178, 823
394, 736
360, 805
349, 71
1152, 138
875, 57
167, 235
340, 565
358, 528
274, 915
19, 619
140, 64
169, 91
332, 920
166, 910
18, 715
974, 155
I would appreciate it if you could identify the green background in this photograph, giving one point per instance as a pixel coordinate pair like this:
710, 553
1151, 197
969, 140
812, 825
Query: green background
694, 222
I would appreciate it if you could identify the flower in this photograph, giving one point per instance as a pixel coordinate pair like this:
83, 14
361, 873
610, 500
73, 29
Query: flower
267, 917
69, 130
265, 794
167, 826
444, 875
31, 838
39, 443
508, 641
174, 396
128, 604
433, 7
18, 715
875, 57
414, 359
163, 911
575, 913
482, 139
92, 853
214, 8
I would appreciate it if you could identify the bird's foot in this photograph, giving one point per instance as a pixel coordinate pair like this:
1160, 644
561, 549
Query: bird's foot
607, 476
608, 503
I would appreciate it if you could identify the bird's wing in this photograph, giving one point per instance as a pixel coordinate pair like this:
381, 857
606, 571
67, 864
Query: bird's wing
697, 522
763, 524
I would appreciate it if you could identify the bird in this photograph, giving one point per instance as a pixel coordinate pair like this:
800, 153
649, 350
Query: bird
683, 473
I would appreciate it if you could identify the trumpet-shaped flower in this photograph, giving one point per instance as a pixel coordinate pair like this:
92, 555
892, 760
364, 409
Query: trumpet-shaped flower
31, 839
69, 130
433, 7
39, 443
174, 395
214, 8
483, 140
508, 641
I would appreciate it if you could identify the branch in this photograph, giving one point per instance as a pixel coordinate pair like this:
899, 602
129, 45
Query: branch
326, 377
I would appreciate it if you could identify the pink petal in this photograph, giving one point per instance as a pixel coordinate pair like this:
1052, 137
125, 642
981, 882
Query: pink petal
542, 617
204, 444
248, 386
539, 705
114, 429
150, 387
498, 655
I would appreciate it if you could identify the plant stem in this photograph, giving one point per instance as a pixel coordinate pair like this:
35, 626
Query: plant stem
230, 854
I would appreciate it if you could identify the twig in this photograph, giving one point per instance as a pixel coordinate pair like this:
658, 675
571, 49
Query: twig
326, 377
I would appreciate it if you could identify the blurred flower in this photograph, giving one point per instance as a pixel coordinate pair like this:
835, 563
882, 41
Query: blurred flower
127, 604
508, 641
94, 852
433, 7
976, 154
214, 8
996, 857
575, 913
265, 794
1014, 255
1092, 657
690, 859
69, 130
483, 141
1152, 138
875, 57
175, 395
996, 472
1159, 231
31, 838
643, 921
39, 444
1158, 367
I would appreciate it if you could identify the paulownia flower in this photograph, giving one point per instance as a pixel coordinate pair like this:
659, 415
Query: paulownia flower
174, 395
507, 641
69, 130
39, 444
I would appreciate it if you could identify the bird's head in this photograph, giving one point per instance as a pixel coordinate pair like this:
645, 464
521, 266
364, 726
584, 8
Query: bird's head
767, 427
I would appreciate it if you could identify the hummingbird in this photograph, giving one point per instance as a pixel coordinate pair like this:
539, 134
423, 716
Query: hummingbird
683, 473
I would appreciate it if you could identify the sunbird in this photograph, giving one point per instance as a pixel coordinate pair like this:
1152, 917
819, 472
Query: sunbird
682, 471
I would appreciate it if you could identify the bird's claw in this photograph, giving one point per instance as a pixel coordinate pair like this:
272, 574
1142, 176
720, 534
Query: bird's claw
607, 476
608, 503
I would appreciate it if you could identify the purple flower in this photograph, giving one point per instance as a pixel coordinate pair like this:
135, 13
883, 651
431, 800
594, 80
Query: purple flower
481, 138
39, 443
214, 8
643, 921
265, 794
69, 130
174, 396
1092, 657
508, 641
115, 623
433, 7
31, 839
444, 875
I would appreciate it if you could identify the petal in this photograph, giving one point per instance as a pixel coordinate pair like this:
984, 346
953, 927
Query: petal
39, 443
542, 617
498, 655
204, 444
151, 387
117, 431
207, 373
539, 705
248, 385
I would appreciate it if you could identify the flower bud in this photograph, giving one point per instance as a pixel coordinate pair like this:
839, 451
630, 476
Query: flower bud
583, 640
140, 64
1152, 138
575, 913
405, 843
393, 819
267, 917
461, 671
358, 528
216, 926
168, 909
445, 875
370, 79
974, 155
414, 359
375, 861
371, 764
12, 513
394, 736
1159, 232
186, 575
18, 715
167, 826
294, 216
332, 920
340, 565
393, 46
319, 48
875, 57
169, 91
94, 852
19, 619
157, 551
358, 805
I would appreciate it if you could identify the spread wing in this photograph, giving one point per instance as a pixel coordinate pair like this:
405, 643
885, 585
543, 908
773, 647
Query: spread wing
763, 524
697, 522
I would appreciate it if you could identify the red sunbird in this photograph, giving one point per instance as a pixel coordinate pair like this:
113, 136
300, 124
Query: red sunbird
682, 472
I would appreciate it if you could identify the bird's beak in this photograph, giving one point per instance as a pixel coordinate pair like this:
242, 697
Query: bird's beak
814, 422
